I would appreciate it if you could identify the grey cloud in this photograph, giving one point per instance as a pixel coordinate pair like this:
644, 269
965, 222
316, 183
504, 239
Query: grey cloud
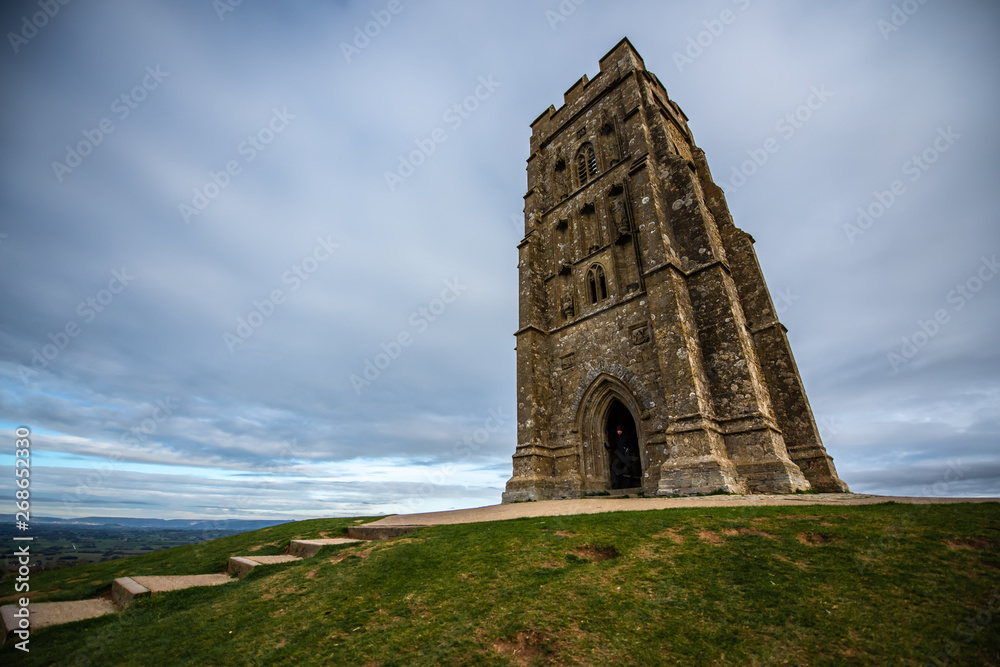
323, 176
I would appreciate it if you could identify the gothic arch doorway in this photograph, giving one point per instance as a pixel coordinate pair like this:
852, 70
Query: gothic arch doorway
622, 445
610, 461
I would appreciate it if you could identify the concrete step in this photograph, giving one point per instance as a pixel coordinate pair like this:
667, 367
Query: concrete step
126, 589
624, 493
240, 566
309, 548
377, 532
176, 582
44, 614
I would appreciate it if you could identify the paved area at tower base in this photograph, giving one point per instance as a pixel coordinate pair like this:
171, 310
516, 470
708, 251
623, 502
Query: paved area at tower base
599, 505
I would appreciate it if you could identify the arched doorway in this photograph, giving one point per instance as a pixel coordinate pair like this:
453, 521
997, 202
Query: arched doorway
622, 445
610, 398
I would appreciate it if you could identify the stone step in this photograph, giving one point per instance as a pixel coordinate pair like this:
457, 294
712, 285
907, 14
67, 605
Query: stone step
309, 548
240, 566
126, 589
175, 582
624, 493
44, 614
377, 532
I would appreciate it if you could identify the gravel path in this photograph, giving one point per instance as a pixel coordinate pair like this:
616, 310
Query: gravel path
44, 614
598, 505
173, 582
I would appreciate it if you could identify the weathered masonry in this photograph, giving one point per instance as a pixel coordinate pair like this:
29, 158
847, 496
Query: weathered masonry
649, 355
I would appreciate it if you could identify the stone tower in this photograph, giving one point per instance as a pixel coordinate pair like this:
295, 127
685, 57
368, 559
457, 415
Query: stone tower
649, 354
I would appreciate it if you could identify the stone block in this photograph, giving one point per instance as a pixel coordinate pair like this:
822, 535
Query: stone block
373, 532
309, 548
125, 589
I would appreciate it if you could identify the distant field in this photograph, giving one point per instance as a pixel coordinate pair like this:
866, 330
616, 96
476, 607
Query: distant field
815, 585
56, 546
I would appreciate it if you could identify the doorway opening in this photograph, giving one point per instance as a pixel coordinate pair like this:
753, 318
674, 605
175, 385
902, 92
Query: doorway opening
622, 444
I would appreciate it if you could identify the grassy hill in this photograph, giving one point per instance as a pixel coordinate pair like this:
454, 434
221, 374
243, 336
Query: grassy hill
858, 585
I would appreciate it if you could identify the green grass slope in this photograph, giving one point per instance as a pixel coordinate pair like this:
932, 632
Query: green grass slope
819, 585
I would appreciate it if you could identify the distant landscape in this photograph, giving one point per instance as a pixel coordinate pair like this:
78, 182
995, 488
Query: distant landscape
60, 543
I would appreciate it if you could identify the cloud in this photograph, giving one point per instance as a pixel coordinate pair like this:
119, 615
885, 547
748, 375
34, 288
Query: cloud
323, 177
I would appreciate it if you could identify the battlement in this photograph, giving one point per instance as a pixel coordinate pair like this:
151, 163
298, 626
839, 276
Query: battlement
619, 62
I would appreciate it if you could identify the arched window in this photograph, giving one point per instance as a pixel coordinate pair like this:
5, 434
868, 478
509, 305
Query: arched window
586, 163
597, 285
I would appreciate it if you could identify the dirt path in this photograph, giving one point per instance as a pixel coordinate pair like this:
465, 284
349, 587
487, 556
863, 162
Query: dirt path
598, 505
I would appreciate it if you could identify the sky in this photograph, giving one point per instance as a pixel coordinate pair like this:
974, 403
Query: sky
258, 260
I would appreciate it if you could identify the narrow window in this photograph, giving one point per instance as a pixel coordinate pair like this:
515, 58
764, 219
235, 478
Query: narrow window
586, 163
597, 284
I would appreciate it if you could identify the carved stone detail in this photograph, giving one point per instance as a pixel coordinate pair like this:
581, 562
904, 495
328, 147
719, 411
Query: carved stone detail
639, 333
568, 309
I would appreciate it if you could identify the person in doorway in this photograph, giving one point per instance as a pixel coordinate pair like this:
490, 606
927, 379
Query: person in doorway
621, 455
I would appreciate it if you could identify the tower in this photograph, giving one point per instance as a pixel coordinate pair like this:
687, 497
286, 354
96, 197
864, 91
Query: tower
649, 354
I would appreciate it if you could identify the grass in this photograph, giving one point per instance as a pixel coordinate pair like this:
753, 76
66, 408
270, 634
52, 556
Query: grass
816, 585
92, 580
